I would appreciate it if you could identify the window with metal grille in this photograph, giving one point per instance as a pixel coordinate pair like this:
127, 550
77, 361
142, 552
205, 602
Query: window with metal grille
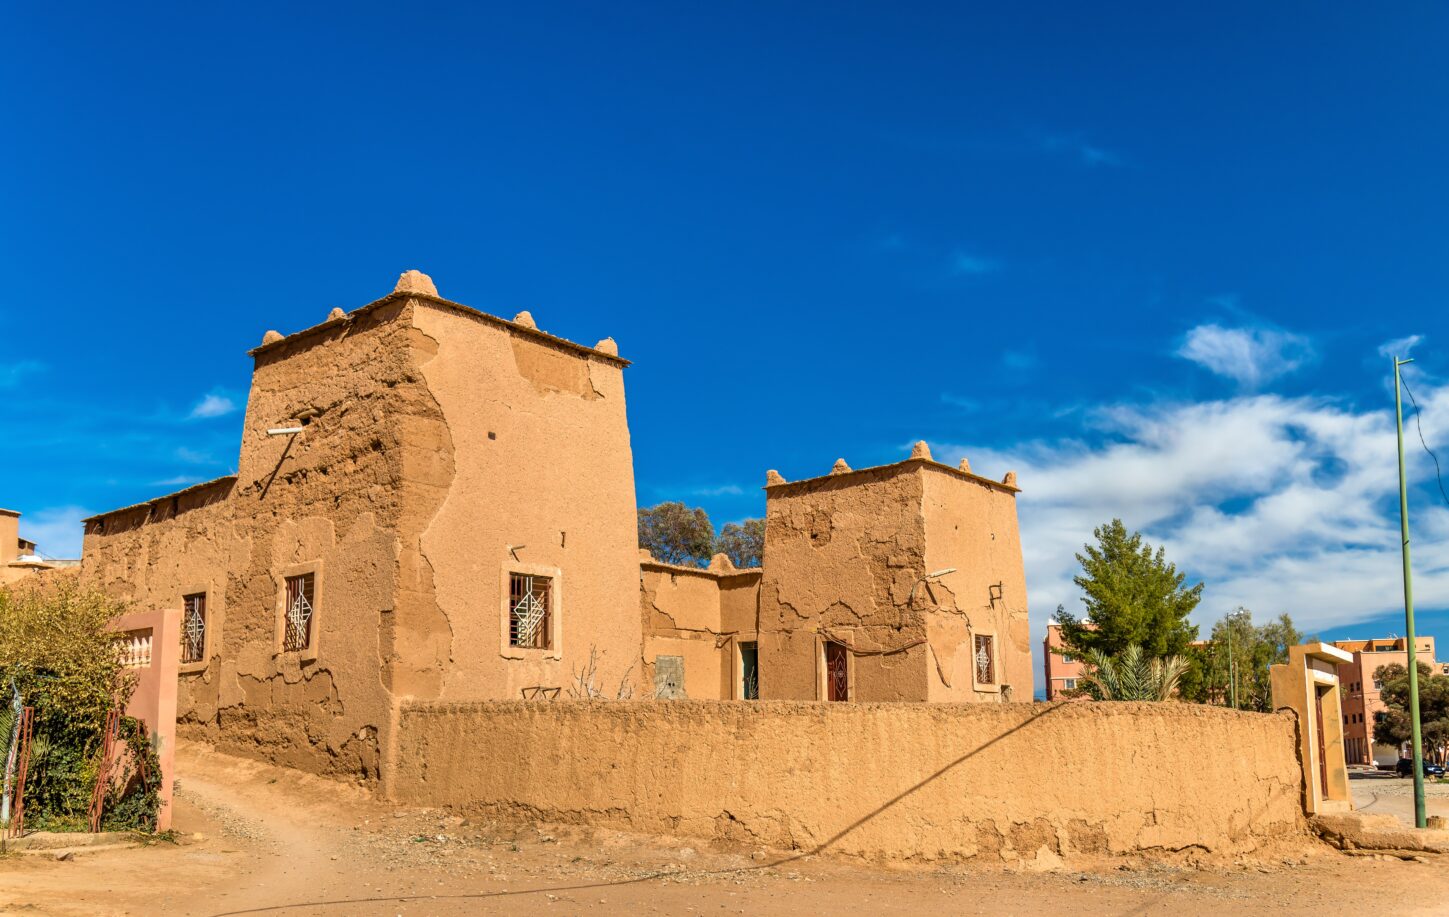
985, 657
529, 609
297, 622
193, 628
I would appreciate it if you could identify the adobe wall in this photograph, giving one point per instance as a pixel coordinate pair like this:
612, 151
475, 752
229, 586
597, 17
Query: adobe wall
994, 782
699, 615
326, 501
531, 471
842, 554
971, 526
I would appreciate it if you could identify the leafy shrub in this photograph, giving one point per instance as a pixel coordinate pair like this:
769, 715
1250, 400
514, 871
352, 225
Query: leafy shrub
55, 649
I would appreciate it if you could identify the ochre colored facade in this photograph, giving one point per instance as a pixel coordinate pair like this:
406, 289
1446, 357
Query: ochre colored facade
910, 573
1038, 783
435, 505
1308, 685
438, 451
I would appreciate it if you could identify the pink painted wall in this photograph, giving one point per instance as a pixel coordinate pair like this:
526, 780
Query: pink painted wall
154, 699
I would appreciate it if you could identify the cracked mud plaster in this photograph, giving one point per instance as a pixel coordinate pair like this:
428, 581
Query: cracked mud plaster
332, 499
551, 423
699, 615
998, 783
412, 409
847, 558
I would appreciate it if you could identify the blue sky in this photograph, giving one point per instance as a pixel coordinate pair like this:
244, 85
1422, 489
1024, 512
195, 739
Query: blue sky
1145, 256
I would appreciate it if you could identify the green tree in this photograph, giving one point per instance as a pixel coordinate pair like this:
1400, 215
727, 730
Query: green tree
1132, 675
1391, 726
676, 534
743, 542
1238, 647
1133, 597
56, 650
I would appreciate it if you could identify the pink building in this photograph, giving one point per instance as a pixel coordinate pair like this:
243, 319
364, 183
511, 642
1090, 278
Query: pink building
1362, 698
1062, 671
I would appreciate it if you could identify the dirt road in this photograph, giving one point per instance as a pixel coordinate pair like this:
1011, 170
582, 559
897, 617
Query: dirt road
1394, 795
261, 840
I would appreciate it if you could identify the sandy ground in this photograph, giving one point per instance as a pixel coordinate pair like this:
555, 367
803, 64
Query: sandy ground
262, 840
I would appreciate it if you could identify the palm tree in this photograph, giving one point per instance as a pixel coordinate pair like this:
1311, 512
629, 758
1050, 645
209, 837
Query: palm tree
1131, 675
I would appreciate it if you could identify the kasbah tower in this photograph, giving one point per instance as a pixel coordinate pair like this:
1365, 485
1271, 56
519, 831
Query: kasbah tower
435, 504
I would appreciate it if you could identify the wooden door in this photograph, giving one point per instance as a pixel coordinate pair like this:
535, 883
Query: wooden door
837, 672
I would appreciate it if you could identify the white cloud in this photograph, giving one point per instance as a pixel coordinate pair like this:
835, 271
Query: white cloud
1019, 360
213, 405
13, 374
1277, 504
1400, 347
965, 263
56, 531
194, 456
180, 480
1251, 356
1089, 154
722, 490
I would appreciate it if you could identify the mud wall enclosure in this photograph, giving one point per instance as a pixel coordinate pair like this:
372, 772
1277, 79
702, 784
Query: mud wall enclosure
1002, 782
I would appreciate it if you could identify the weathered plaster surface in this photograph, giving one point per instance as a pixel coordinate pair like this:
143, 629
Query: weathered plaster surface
327, 500
971, 526
541, 463
841, 557
1000, 782
849, 558
700, 615
439, 448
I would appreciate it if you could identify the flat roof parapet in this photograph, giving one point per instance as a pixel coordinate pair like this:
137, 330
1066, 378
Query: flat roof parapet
414, 288
144, 504
775, 484
711, 572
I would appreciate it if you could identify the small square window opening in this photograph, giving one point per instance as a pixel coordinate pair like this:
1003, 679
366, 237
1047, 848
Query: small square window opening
297, 622
193, 628
529, 610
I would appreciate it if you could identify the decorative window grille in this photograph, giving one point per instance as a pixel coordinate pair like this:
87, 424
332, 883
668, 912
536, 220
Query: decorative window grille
985, 658
193, 628
529, 608
297, 626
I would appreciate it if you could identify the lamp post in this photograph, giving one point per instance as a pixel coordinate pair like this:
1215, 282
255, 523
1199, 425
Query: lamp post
1416, 736
1232, 616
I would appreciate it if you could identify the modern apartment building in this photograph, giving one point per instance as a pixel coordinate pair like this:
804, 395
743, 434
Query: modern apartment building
1362, 698
1061, 670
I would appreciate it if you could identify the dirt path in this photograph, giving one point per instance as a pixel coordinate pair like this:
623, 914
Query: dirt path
262, 840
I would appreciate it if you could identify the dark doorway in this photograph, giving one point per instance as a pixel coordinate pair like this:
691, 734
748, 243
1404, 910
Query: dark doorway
1319, 694
750, 671
837, 671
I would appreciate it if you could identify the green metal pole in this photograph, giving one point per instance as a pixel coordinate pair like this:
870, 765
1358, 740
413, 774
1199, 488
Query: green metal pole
1232, 665
1420, 815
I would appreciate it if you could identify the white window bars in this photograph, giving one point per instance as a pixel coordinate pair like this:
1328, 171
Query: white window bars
297, 625
985, 663
193, 628
528, 616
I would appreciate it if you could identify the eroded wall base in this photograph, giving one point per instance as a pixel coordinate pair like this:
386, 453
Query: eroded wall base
1003, 782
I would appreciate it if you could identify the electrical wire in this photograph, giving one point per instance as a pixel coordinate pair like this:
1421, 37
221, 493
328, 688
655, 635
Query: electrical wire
1420, 427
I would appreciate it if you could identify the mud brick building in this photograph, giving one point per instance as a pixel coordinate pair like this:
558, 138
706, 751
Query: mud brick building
436, 505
